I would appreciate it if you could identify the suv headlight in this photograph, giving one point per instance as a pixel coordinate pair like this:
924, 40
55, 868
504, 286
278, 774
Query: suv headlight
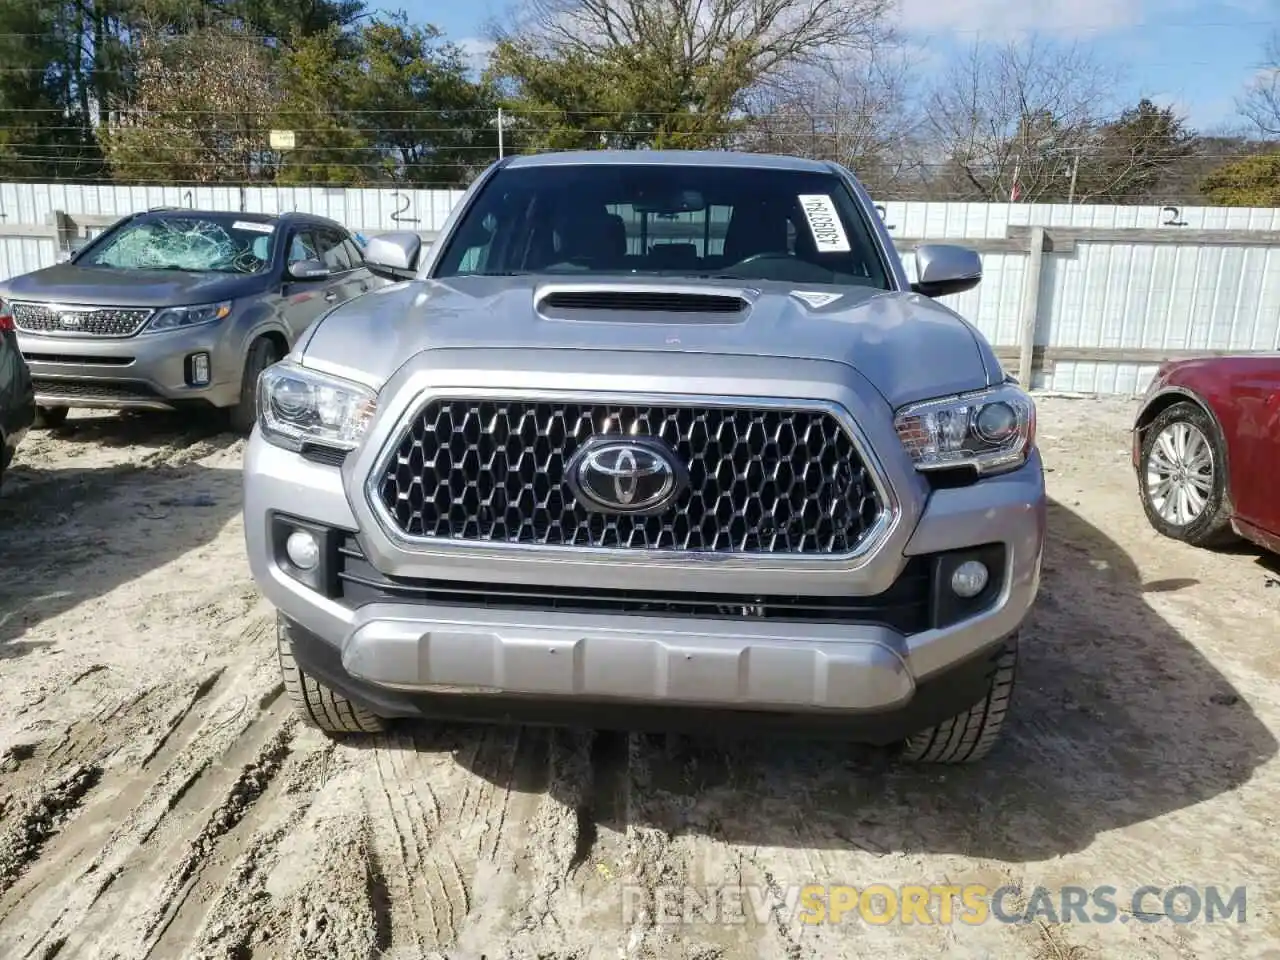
991, 431
297, 406
177, 318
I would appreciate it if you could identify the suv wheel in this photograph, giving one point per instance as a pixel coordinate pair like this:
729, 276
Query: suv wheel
969, 736
317, 704
1182, 475
262, 354
48, 418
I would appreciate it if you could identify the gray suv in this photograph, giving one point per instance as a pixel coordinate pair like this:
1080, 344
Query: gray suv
175, 308
648, 439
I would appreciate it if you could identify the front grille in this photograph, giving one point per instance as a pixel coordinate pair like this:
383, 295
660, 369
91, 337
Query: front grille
760, 481
93, 390
904, 607
82, 321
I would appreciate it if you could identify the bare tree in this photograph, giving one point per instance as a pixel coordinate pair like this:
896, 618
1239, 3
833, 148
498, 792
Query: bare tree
1010, 121
752, 41
1261, 102
861, 113
199, 111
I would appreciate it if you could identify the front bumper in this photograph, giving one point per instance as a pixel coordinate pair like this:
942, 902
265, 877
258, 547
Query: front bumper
408, 658
146, 371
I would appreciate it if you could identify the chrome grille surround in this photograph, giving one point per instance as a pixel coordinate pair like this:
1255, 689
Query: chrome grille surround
860, 484
47, 319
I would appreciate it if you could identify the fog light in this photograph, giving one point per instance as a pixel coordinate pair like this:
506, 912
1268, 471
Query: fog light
967, 581
303, 550
199, 369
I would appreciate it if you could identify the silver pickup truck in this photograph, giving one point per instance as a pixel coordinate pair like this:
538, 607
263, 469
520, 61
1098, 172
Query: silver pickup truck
652, 440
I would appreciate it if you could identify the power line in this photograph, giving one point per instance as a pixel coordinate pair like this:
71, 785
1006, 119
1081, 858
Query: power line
1110, 26
255, 147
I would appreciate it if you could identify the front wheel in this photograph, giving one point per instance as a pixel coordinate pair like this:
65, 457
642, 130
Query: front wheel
969, 736
317, 704
262, 354
1182, 474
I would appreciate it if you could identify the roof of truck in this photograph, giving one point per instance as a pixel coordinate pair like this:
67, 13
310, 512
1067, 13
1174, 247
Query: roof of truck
700, 158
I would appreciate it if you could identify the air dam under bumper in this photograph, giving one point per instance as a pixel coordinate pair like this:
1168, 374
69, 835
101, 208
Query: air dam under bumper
635, 658
934, 699
437, 659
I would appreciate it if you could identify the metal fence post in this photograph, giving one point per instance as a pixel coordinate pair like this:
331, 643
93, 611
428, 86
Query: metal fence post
1030, 307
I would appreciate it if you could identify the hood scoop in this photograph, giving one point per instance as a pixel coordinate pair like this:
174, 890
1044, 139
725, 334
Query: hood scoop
571, 302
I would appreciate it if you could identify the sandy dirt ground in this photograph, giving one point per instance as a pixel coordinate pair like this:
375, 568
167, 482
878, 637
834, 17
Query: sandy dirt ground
158, 799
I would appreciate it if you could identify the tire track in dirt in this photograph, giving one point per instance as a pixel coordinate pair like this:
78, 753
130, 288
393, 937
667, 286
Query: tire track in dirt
93, 750
308, 882
236, 912
414, 787
247, 789
32, 826
79, 902
439, 891
555, 836
654, 856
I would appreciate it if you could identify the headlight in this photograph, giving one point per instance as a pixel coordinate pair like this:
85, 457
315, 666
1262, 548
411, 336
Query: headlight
298, 406
991, 430
175, 318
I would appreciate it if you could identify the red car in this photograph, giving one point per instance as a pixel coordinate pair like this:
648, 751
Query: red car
1206, 446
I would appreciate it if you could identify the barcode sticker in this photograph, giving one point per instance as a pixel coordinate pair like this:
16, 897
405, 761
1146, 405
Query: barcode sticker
824, 223
257, 226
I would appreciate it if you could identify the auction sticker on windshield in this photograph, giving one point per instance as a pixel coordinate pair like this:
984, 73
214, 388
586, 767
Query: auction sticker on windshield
824, 223
254, 225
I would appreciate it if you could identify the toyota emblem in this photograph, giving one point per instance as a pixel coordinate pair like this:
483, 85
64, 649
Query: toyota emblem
625, 475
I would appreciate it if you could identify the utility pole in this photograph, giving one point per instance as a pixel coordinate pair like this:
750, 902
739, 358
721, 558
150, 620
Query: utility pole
1075, 170
499, 133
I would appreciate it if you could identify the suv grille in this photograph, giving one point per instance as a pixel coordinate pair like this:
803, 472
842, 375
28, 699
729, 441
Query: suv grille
87, 321
104, 390
761, 481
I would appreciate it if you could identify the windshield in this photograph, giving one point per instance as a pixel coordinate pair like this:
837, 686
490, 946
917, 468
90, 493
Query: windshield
193, 243
671, 220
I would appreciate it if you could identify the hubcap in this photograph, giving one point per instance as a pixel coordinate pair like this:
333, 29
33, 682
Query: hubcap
1180, 473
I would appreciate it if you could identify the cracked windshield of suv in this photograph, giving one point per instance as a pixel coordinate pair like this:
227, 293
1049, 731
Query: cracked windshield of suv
749, 223
190, 243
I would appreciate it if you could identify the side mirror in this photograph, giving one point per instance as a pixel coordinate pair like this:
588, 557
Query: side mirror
394, 255
945, 268
308, 270
68, 254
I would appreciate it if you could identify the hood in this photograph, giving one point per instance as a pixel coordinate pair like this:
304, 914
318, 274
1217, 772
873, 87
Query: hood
67, 283
908, 346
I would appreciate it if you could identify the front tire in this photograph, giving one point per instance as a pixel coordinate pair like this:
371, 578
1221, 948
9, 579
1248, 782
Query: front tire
1182, 476
970, 735
319, 705
263, 352
50, 418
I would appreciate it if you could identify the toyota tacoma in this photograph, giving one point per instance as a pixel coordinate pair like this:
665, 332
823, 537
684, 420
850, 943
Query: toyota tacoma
651, 439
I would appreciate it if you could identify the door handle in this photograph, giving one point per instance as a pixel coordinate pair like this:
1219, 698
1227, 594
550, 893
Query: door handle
331, 296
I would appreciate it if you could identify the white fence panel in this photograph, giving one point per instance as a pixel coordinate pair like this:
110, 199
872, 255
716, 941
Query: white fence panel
19, 255
1104, 294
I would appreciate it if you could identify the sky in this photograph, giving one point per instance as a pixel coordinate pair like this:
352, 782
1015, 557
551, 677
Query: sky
1196, 55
